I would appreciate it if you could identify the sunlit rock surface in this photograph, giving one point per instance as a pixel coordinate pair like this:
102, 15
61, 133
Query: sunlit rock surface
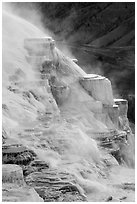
98, 87
14, 188
12, 174
68, 118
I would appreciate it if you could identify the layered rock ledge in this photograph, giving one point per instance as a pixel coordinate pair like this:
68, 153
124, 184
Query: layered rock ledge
68, 118
98, 87
14, 188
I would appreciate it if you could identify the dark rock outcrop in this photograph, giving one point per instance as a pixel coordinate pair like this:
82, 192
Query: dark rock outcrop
17, 154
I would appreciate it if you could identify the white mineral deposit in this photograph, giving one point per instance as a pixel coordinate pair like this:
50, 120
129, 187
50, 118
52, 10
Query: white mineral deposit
65, 137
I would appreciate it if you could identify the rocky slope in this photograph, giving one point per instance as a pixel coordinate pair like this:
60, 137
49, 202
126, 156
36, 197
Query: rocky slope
69, 138
100, 35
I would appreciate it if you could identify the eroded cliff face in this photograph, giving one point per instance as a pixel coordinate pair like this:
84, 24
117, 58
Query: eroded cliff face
68, 118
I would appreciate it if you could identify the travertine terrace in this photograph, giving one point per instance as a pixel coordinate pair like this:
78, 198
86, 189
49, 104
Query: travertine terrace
62, 126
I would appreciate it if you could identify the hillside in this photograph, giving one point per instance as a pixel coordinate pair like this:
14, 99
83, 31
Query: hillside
103, 34
100, 35
62, 138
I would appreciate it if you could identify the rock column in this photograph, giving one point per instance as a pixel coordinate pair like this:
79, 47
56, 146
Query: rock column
41, 58
98, 87
123, 108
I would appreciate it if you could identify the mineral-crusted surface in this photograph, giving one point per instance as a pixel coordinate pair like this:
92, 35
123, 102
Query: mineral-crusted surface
55, 186
14, 187
16, 154
61, 125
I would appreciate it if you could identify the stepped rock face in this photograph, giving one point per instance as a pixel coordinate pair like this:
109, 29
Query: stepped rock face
12, 174
53, 108
14, 184
99, 88
123, 106
16, 154
114, 114
55, 186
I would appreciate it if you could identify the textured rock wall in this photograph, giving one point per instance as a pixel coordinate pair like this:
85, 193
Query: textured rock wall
14, 188
68, 129
99, 88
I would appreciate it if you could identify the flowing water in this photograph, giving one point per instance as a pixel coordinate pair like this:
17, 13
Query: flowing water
65, 141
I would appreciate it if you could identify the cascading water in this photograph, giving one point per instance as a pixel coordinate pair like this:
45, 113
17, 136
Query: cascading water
62, 133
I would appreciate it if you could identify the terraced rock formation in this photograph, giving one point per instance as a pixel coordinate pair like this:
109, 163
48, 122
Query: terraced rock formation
62, 132
14, 187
